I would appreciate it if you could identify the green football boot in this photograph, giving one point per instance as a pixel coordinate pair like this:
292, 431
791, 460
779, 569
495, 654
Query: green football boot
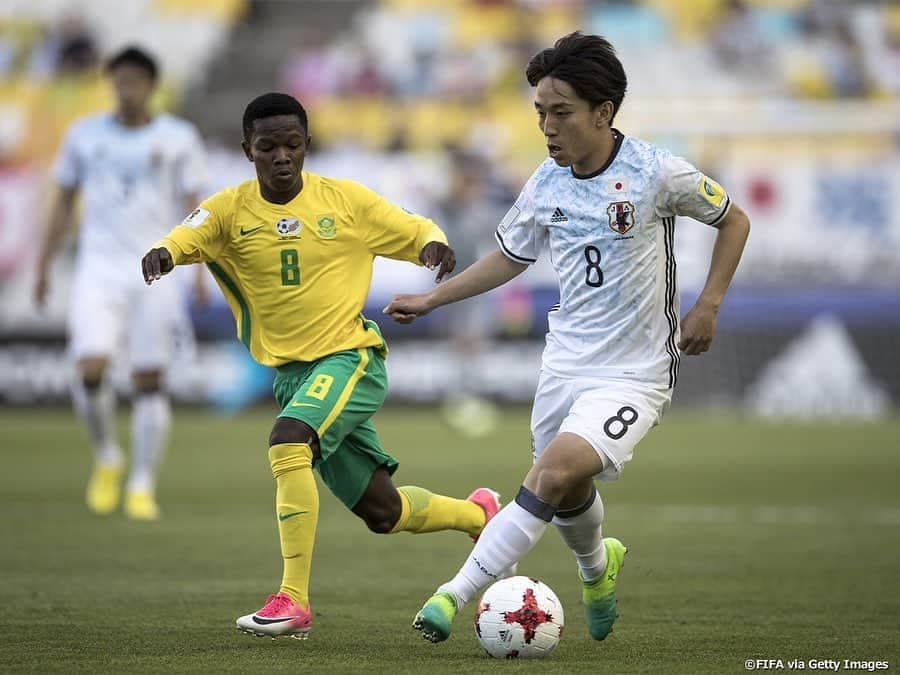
599, 595
436, 616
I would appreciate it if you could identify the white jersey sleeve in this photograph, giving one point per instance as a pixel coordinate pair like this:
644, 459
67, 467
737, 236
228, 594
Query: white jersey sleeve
518, 235
687, 191
69, 167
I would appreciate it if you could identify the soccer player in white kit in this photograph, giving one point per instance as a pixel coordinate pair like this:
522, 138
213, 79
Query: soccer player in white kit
135, 171
604, 206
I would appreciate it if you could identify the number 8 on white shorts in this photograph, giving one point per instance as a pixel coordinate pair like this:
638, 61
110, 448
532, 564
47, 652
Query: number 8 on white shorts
612, 415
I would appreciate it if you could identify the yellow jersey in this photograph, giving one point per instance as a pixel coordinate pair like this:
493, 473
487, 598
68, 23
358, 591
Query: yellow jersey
296, 275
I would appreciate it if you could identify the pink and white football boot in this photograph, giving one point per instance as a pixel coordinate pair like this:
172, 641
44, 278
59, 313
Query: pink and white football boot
280, 616
489, 501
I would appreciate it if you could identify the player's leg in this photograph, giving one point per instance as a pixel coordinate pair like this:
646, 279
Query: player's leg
579, 521
151, 420
94, 322
95, 404
514, 531
157, 320
292, 446
318, 401
387, 509
599, 558
612, 417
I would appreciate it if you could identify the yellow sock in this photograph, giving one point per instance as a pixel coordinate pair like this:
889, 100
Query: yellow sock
297, 508
424, 511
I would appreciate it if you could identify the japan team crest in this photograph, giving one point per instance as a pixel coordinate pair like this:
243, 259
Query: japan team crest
288, 226
621, 216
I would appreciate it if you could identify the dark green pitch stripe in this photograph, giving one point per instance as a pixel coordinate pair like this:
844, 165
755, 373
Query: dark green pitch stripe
244, 333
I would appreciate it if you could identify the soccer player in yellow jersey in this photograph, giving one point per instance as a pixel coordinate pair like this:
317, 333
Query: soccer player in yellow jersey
293, 253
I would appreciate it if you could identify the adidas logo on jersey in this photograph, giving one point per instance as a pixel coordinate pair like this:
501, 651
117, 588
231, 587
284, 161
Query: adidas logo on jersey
558, 216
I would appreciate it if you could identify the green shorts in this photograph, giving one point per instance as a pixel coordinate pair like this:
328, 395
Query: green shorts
336, 396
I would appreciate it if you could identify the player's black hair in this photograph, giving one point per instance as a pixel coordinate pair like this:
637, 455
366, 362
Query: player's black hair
271, 105
588, 63
133, 56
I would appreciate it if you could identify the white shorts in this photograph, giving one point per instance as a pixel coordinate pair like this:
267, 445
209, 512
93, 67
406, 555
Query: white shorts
109, 316
611, 415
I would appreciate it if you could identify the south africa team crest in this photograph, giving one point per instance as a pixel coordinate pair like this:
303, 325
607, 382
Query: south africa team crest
621, 216
327, 226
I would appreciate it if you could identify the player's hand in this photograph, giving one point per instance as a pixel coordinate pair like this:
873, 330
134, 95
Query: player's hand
155, 264
697, 330
437, 254
41, 286
407, 308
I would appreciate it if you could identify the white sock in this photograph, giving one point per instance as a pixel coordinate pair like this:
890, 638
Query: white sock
97, 409
510, 535
150, 422
581, 530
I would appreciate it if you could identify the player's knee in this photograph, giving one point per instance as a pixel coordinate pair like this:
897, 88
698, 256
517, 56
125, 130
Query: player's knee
553, 481
92, 381
289, 430
382, 522
380, 515
92, 372
147, 382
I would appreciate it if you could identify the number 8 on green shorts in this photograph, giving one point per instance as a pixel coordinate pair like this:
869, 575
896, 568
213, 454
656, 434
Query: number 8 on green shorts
336, 396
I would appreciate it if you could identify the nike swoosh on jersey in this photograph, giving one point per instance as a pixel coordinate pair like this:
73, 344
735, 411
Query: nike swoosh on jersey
244, 232
294, 404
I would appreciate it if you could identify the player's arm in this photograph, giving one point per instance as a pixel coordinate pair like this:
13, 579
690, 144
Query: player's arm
519, 242
491, 271
686, 191
699, 325
201, 289
201, 237
58, 222
393, 232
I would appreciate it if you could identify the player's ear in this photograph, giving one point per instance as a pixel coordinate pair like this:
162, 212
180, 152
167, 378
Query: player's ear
603, 114
246, 147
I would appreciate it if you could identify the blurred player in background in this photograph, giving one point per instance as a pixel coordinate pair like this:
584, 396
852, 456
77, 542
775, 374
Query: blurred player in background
475, 200
293, 253
604, 205
134, 171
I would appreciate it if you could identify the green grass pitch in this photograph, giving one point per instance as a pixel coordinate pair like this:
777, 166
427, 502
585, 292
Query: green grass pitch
747, 540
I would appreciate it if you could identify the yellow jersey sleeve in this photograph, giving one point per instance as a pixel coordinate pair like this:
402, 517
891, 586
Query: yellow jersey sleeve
203, 234
390, 231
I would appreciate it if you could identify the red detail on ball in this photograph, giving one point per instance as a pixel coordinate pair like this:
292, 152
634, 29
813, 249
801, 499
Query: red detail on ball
618, 186
529, 615
482, 608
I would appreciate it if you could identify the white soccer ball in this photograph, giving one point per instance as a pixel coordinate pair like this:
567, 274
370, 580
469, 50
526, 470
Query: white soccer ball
519, 618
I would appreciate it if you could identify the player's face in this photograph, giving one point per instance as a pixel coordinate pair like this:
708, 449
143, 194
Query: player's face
277, 148
576, 132
134, 87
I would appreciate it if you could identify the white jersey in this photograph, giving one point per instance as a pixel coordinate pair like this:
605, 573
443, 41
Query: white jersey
610, 236
132, 180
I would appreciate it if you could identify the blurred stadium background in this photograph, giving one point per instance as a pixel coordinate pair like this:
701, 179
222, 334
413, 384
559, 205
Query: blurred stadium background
792, 104
754, 535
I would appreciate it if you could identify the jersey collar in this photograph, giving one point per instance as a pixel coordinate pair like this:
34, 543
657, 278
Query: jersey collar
612, 156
